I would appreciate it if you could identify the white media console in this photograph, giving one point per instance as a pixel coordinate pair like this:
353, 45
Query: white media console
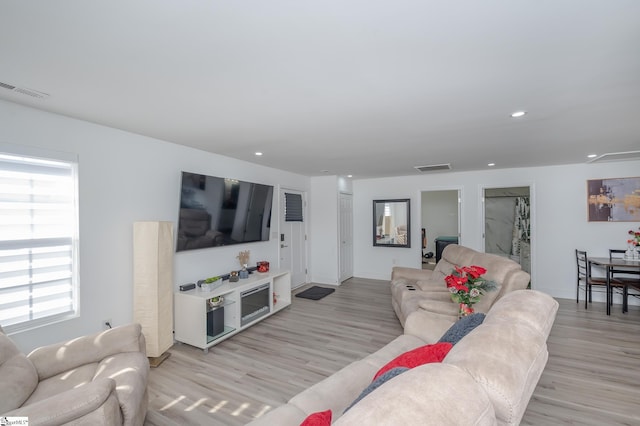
246, 302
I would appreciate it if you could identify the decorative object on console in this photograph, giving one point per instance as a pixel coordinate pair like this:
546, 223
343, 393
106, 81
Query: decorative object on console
209, 284
216, 301
233, 277
263, 266
186, 287
243, 258
467, 285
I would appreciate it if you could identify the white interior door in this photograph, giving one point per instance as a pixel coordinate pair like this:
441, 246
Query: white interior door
346, 236
293, 244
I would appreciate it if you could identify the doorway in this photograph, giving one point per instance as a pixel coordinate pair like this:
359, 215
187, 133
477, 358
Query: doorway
346, 236
440, 222
293, 238
507, 223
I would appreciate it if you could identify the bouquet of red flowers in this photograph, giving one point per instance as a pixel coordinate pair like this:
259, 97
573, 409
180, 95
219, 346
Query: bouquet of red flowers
635, 237
466, 285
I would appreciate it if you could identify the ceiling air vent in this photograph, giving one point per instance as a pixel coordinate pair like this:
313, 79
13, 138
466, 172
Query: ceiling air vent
433, 167
24, 91
616, 156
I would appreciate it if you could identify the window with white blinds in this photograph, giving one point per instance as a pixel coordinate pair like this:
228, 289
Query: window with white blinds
292, 207
38, 241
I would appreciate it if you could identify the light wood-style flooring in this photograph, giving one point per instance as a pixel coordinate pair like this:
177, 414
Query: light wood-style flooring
592, 376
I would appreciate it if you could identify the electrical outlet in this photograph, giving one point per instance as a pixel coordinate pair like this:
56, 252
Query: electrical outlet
107, 324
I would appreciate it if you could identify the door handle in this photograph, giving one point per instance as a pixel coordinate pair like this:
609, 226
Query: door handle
283, 246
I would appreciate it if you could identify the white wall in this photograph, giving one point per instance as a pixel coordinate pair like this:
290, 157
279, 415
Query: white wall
439, 216
323, 230
124, 178
559, 218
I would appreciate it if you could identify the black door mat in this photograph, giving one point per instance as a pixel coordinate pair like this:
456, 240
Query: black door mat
315, 292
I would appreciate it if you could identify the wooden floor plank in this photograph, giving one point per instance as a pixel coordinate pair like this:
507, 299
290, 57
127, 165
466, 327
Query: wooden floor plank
592, 376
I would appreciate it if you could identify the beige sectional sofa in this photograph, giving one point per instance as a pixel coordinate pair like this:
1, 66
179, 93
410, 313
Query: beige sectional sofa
420, 296
487, 378
99, 379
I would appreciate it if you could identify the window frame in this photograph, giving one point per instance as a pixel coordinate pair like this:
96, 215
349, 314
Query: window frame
34, 155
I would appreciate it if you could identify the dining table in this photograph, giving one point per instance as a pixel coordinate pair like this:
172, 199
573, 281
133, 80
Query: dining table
608, 263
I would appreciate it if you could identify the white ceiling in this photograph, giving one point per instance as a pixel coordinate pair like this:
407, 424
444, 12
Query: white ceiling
362, 87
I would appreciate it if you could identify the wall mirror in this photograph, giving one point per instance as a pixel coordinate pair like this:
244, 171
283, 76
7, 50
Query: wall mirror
391, 220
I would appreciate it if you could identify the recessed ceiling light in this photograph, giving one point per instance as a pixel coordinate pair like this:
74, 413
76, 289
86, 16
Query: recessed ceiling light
349, 176
491, 164
518, 114
592, 155
258, 154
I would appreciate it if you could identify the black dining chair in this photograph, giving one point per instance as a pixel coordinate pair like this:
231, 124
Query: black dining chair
630, 278
587, 281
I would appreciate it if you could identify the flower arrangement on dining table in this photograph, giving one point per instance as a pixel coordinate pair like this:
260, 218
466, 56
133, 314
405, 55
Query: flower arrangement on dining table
467, 285
634, 240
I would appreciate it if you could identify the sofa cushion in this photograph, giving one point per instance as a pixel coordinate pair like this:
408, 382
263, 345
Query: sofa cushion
321, 418
93, 404
397, 346
418, 397
435, 284
18, 376
462, 327
336, 391
419, 356
86, 349
443, 307
377, 383
428, 326
454, 255
506, 360
63, 382
537, 309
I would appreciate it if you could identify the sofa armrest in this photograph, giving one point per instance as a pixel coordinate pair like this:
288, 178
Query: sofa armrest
67, 406
428, 326
54, 359
515, 280
413, 274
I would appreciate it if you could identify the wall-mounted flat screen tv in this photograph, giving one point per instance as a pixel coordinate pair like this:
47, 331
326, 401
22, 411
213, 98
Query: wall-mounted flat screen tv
215, 211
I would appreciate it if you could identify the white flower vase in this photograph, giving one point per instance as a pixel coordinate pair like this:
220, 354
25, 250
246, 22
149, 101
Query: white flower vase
636, 253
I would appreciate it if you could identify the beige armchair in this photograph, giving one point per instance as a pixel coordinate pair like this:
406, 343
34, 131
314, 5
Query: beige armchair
100, 379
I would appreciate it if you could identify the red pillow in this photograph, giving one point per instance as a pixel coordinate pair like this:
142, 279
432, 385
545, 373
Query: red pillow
321, 418
418, 356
